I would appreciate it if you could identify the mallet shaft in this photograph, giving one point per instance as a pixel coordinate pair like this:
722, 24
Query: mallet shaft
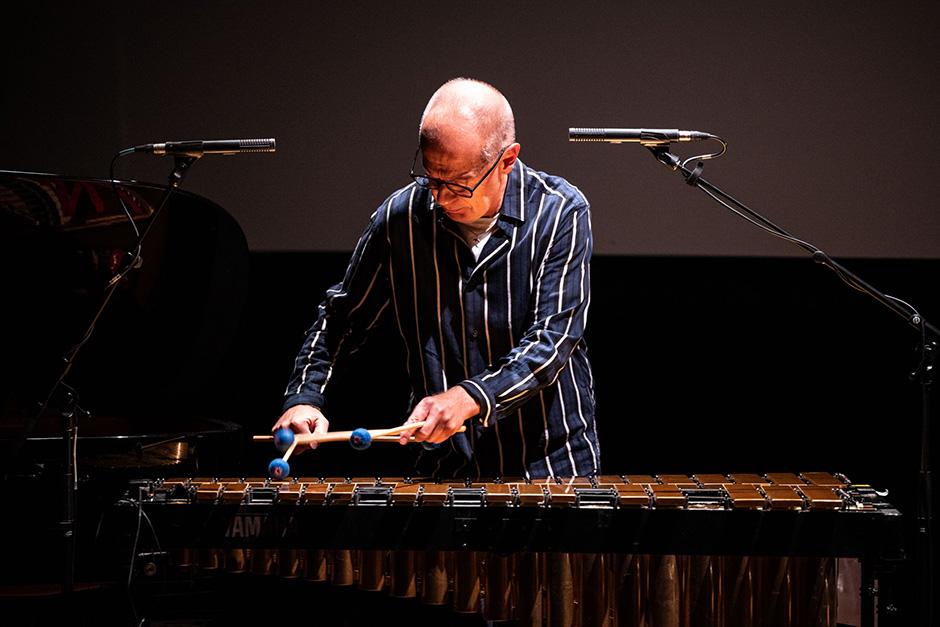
382, 435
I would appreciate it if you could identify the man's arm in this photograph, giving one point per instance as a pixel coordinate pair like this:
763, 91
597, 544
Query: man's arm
348, 312
561, 298
562, 295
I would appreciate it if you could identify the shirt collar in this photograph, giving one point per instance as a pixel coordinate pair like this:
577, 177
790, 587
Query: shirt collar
512, 198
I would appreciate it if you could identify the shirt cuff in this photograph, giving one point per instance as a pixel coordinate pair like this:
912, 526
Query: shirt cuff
483, 397
314, 400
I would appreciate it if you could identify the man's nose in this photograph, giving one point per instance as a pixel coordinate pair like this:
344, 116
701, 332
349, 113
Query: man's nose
443, 195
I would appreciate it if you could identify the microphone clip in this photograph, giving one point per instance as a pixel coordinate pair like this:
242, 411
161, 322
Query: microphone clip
181, 164
695, 174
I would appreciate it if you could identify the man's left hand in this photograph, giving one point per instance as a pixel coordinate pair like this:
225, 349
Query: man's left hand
443, 413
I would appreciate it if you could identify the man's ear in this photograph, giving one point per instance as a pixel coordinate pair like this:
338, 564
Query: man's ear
509, 157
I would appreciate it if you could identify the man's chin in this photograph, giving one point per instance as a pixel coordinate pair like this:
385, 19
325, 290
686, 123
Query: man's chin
457, 215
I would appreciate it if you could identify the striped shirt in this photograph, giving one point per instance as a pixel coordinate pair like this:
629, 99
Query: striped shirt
507, 327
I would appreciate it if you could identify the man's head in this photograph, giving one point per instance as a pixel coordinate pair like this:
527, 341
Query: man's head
466, 129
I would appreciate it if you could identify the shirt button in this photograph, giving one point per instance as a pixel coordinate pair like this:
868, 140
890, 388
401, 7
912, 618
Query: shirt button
474, 333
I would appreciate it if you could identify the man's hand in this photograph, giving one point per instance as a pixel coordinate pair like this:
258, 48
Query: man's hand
444, 413
303, 419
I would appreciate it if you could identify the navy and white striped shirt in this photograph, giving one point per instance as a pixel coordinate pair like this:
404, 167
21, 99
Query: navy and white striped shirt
507, 327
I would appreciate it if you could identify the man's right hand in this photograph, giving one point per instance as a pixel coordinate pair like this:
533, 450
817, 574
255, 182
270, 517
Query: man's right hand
303, 419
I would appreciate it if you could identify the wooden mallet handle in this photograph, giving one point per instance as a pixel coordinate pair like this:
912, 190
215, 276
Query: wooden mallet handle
343, 436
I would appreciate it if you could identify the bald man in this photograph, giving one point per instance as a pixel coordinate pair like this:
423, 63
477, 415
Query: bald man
483, 263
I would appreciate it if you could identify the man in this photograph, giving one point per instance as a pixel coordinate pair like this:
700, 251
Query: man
484, 264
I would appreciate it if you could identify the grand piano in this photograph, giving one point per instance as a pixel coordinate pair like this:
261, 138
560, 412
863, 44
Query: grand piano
161, 339
144, 372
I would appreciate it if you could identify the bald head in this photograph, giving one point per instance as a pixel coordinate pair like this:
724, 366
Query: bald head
463, 108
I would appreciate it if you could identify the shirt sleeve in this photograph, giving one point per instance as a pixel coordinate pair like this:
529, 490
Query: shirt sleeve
345, 316
561, 298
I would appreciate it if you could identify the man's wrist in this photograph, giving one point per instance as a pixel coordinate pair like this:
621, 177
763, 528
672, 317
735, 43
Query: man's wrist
479, 396
302, 399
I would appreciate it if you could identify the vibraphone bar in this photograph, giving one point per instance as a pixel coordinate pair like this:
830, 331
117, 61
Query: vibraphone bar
709, 549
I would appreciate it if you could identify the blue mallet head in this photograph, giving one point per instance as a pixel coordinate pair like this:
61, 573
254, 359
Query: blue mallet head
360, 439
283, 438
278, 469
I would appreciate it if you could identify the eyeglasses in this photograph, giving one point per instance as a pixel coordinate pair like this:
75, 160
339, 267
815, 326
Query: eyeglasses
434, 184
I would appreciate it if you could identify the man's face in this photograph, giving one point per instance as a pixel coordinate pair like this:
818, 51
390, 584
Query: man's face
459, 161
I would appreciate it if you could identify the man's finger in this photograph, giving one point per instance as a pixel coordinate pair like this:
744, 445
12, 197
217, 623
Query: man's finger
405, 436
321, 426
440, 433
419, 414
427, 431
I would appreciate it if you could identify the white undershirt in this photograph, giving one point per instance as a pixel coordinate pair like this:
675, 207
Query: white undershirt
477, 232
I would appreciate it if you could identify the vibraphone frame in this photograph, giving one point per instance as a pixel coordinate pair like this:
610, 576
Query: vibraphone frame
778, 514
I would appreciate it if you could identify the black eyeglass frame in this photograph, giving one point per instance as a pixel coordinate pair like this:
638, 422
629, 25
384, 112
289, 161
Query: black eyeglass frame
429, 182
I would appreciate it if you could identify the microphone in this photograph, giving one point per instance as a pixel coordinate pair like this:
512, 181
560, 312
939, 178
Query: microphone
198, 148
645, 136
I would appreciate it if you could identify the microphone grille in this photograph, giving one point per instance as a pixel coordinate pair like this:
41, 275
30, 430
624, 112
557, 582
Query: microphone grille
585, 134
256, 145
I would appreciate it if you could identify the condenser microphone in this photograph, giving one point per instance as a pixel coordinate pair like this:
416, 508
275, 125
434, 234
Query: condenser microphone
198, 148
645, 136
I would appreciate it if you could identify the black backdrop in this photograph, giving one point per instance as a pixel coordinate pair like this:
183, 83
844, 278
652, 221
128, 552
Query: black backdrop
829, 108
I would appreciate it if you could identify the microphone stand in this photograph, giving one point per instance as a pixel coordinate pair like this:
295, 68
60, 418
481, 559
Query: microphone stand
70, 410
923, 373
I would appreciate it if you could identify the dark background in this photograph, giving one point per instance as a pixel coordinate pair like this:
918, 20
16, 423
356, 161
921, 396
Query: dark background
716, 348
829, 108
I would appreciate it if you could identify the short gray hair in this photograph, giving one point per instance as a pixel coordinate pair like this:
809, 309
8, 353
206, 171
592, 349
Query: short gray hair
493, 120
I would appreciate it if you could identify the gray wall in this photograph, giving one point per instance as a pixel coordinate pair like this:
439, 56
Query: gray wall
828, 107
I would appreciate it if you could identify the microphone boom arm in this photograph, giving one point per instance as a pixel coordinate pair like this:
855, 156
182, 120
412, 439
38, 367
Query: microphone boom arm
693, 177
923, 373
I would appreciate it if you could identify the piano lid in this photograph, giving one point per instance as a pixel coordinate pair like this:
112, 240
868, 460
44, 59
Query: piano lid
73, 203
158, 350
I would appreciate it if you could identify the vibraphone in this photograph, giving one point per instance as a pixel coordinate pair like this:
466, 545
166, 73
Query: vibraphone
664, 550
